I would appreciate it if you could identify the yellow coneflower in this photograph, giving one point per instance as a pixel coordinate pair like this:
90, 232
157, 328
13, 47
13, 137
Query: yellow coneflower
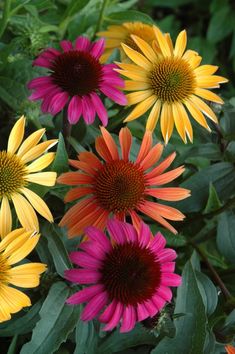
169, 79
16, 174
13, 248
117, 34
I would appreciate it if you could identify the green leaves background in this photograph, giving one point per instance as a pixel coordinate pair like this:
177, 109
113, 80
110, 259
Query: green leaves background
201, 319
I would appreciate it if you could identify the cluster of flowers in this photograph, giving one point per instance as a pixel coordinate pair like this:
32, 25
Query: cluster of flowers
128, 271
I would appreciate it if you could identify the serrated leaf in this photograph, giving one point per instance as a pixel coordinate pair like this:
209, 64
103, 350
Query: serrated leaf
213, 202
193, 325
225, 235
57, 321
60, 163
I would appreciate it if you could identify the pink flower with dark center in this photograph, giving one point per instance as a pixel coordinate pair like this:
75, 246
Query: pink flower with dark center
129, 275
76, 79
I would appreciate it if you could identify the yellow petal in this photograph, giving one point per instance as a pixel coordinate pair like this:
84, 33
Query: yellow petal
41, 163
112, 34
167, 122
189, 54
195, 61
5, 217
208, 95
25, 212
179, 123
26, 275
206, 70
145, 47
136, 97
38, 204
43, 178
180, 44
30, 142
197, 114
13, 300
210, 81
141, 108
13, 235
18, 250
169, 41
38, 150
16, 135
112, 43
187, 123
204, 108
162, 42
136, 57
136, 85
138, 76
153, 116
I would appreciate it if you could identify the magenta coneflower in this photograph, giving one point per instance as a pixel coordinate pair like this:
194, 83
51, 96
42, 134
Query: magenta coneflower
75, 80
129, 275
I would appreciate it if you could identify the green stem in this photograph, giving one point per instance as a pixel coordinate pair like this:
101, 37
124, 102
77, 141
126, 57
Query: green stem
101, 16
5, 16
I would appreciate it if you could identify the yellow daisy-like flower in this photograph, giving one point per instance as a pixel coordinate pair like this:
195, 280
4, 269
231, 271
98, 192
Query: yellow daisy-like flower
16, 174
117, 34
13, 248
171, 82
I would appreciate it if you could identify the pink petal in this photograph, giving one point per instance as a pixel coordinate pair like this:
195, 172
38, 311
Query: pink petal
158, 243
169, 279
43, 91
113, 80
88, 110
82, 43
108, 312
97, 48
93, 248
74, 110
97, 235
43, 62
115, 317
108, 68
66, 46
83, 259
144, 235
142, 312
38, 82
129, 232
129, 319
58, 102
151, 307
50, 54
115, 230
166, 255
165, 293
168, 267
100, 108
114, 94
82, 276
94, 306
159, 302
85, 294
47, 101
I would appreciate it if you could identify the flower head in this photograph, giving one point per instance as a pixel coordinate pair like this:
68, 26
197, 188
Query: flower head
119, 186
129, 275
76, 80
13, 248
117, 34
16, 175
171, 82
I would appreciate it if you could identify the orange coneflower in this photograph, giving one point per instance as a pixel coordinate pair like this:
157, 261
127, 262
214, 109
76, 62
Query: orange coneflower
120, 187
230, 349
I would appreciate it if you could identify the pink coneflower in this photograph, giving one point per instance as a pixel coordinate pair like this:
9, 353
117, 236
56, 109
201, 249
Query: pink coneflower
129, 275
76, 79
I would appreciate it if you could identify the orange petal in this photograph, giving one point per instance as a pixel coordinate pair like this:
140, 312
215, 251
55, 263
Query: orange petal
88, 219
74, 178
77, 193
83, 166
77, 212
90, 158
145, 146
170, 193
166, 177
102, 149
125, 138
152, 157
162, 166
110, 143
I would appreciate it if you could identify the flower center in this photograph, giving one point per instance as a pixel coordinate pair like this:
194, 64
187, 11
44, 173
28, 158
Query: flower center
120, 186
172, 80
130, 274
77, 72
12, 172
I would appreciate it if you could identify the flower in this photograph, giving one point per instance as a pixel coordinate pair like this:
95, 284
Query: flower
119, 186
16, 174
230, 349
117, 34
75, 81
167, 80
13, 248
130, 274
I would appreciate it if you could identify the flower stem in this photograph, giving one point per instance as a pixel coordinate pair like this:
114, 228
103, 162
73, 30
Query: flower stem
101, 16
5, 16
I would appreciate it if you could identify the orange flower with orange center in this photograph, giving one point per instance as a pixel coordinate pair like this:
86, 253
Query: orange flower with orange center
120, 187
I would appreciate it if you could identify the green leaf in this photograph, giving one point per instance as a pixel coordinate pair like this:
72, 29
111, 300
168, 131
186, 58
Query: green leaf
13, 345
60, 163
74, 7
124, 16
221, 25
227, 123
213, 202
57, 321
192, 326
170, 3
225, 235
56, 247
208, 292
119, 341
86, 338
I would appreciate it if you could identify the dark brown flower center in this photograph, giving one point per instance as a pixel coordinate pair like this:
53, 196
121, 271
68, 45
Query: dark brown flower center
120, 186
12, 172
130, 274
77, 72
172, 80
